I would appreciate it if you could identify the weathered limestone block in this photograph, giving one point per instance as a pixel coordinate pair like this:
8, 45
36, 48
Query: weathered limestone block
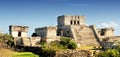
46, 32
73, 53
50, 39
35, 41
18, 41
26, 41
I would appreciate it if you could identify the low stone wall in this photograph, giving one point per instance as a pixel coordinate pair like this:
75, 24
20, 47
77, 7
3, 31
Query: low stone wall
109, 42
35, 41
67, 53
114, 39
73, 53
27, 41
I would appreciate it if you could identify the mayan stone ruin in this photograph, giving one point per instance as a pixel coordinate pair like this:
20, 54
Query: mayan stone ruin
20, 34
18, 31
73, 26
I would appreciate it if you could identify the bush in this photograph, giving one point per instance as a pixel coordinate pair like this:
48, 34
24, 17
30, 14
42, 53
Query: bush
64, 43
42, 43
68, 43
55, 43
7, 39
51, 48
109, 53
72, 45
47, 50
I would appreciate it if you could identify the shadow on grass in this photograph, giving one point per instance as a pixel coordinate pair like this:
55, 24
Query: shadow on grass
35, 51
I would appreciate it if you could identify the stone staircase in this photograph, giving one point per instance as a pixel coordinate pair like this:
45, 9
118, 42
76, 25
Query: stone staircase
84, 35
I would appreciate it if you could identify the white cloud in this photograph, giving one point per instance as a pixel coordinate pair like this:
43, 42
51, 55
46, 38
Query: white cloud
86, 24
109, 24
113, 24
104, 25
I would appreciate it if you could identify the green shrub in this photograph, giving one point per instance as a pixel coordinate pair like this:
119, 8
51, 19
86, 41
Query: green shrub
72, 45
7, 39
68, 43
55, 43
42, 43
64, 41
49, 49
109, 53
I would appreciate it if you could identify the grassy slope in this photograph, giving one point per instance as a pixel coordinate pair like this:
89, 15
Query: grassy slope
4, 52
9, 53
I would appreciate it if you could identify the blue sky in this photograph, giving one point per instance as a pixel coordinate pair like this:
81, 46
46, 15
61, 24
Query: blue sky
40, 13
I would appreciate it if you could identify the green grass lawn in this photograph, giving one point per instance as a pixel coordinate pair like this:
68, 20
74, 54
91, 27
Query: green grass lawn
9, 53
25, 54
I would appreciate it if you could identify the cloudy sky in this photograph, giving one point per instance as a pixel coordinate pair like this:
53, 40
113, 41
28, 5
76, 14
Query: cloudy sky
40, 13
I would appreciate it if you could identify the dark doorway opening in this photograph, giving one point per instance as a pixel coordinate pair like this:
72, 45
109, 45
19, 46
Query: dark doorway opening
102, 32
78, 22
71, 22
19, 34
74, 22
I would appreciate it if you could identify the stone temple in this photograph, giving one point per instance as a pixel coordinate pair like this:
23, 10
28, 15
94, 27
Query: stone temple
73, 26
18, 31
20, 34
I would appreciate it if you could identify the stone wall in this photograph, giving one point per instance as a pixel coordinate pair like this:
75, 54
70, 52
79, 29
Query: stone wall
50, 39
51, 32
73, 53
110, 42
27, 41
18, 41
67, 53
42, 32
35, 41
46, 32
113, 39
14, 33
